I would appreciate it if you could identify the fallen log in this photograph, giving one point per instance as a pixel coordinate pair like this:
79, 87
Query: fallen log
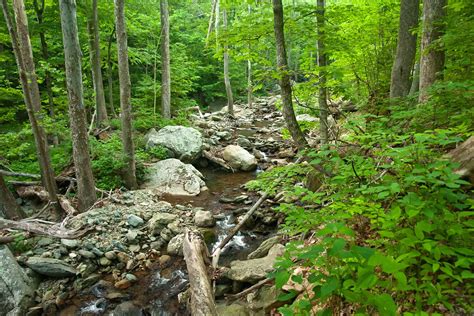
37, 227
250, 289
196, 254
217, 160
464, 155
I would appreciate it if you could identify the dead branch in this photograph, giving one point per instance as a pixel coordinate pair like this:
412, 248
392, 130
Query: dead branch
217, 160
250, 289
37, 227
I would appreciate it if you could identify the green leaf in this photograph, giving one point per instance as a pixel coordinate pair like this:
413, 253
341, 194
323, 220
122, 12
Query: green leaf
281, 277
329, 287
385, 304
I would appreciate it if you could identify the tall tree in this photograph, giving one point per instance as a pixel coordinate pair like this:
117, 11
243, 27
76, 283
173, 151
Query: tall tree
8, 206
94, 54
110, 79
125, 95
26, 68
282, 64
249, 71
432, 56
228, 87
406, 49
77, 113
165, 61
322, 63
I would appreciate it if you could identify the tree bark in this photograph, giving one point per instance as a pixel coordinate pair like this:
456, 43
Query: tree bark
8, 206
249, 72
432, 57
415, 82
77, 112
26, 69
406, 49
125, 96
228, 87
322, 63
195, 255
110, 74
94, 54
165, 61
286, 93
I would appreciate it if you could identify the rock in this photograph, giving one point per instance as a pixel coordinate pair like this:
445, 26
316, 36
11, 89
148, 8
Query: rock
131, 277
264, 300
239, 158
110, 255
226, 135
184, 143
175, 246
233, 309
70, 243
50, 267
161, 220
264, 247
306, 118
131, 235
45, 241
173, 177
127, 309
134, 220
254, 270
204, 219
17, 290
105, 262
244, 142
164, 259
123, 284
86, 254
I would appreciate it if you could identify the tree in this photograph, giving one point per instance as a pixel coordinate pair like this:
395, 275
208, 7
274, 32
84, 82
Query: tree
282, 64
406, 49
110, 80
94, 54
228, 87
8, 206
165, 61
77, 113
26, 68
125, 96
432, 56
322, 63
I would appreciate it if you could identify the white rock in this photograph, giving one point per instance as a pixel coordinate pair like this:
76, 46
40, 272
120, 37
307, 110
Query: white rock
239, 158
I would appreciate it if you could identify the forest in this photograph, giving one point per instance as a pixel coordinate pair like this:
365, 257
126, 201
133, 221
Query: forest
224, 157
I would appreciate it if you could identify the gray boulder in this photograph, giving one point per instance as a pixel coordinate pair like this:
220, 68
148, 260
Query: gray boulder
204, 219
51, 267
127, 309
175, 246
239, 158
254, 270
173, 177
184, 143
16, 288
264, 247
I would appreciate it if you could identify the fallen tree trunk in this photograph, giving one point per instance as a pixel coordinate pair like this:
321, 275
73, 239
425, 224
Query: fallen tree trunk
464, 155
217, 160
42, 228
196, 254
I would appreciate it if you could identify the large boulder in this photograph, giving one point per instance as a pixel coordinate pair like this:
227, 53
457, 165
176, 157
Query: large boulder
239, 158
16, 288
51, 267
175, 246
264, 247
173, 177
204, 219
184, 143
254, 270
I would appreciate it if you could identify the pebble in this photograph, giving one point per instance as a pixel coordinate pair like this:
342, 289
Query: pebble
164, 259
70, 243
123, 284
86, 254
134, 220
110, 255
131, 235
131, 277
105, 262
134, 248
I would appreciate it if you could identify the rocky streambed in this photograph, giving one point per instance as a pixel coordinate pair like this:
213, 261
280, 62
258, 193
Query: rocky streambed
131, 262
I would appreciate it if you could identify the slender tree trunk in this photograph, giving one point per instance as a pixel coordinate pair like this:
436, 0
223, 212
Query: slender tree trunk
110, 74
286, 97
26, 69
165, 61
432, 57
322, 63
77, 113
415, 82
125, 96
249, 73
154, 81
8, 206
406, 49
94, 55
228, 87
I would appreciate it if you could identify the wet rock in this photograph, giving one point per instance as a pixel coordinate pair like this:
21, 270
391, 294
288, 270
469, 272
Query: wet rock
254, 270
127, 309
239, 158
264, 247
17, 290
175, 246
173, 177
70, 243
134, 220
233, 309
50, 267
204, 219
184, 143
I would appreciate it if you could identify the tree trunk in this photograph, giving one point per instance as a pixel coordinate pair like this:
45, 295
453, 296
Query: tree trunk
8, 206
77, 112
26, 69
432, 57
249, 73
110, 74
322, 63
286, 97
415, 82
94, 54
125, 96
228, 87
406, 49
165, 61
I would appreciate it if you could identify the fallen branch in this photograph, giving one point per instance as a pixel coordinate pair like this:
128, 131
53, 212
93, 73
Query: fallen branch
35, 226
250, 289
195, 254
217, 160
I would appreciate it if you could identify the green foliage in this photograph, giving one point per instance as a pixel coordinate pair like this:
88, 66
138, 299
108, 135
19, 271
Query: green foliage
20, 244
